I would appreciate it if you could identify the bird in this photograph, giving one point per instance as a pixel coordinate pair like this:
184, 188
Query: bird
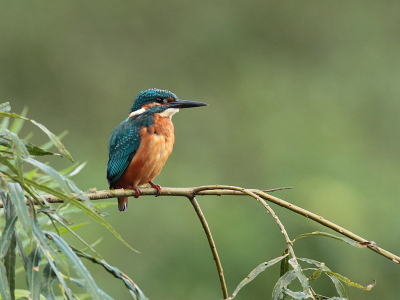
139, 146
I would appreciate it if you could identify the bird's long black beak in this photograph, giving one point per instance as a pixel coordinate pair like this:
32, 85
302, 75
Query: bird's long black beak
185, 104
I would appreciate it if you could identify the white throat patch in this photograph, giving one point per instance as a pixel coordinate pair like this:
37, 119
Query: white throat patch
169, 112
136, 112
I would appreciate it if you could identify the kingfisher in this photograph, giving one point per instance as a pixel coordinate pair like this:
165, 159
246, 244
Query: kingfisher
139, 146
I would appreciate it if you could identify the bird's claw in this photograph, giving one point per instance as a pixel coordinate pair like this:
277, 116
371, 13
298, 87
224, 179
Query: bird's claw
157, 187
137, 191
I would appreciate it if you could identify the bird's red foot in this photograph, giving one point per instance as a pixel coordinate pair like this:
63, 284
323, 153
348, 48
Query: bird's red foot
157, 187
137, 191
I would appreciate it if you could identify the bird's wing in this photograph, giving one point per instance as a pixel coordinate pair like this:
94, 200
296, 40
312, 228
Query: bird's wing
124, 141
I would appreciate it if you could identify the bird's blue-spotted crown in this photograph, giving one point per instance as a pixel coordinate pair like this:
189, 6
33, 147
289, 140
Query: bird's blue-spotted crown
150, 96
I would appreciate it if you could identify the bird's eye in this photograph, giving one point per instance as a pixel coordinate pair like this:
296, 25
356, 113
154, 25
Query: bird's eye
162, 100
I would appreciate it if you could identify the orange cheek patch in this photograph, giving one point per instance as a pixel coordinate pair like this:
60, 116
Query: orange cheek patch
147, 106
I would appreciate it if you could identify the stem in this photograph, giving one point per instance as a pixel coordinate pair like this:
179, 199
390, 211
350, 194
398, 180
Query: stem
212, 245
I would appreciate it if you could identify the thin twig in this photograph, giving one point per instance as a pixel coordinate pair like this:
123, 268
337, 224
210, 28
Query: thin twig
212, 245
277, 189
258, 198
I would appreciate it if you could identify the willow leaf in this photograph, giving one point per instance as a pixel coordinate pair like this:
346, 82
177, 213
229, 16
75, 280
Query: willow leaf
10, 257
18, 123
47, 282
18, 199
34, 259
50, 143
349, 282
255, 272
57, 177
7, 235
282, 283
4, 288
284, 263
135, 291
100, 220
63, 285
299, 273
4, 107
60, 146
78, 267
20, 152
51, 135
339, 238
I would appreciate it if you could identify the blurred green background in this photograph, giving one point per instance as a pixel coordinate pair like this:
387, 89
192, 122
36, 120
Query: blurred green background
301, 93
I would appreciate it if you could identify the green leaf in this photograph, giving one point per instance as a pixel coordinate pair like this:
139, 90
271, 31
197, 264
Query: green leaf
42, 241
24, 294
4, 288
32, 174
349, 282
299, 273
92, 245
66, 185
343, 239
316, 274
60, 146
34, 259
78, 267
57, 177
50, 143
18, 123
9, 263
10, 257
36, 151
4, 186
71, 229
7, 235
73, 170
9, 165
4, 107
51, 135
338, 285
18, 199
255, 272
19, 152
282, 283
134, 289
83, 198
284, 263
100, 220
295, 295
44, 188
49, 254
5, 122
48, 278
21, 252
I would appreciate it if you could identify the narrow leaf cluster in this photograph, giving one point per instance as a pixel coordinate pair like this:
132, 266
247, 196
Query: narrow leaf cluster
33, 228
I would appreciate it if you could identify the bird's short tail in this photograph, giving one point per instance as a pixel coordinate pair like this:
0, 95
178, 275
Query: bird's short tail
123, 204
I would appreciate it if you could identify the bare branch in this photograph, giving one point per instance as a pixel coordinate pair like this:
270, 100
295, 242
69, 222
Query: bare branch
212, 246
225, 191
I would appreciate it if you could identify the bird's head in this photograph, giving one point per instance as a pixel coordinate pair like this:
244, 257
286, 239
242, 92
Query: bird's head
168, 101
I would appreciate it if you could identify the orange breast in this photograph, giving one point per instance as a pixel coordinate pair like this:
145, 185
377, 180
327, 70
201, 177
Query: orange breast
155, 146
